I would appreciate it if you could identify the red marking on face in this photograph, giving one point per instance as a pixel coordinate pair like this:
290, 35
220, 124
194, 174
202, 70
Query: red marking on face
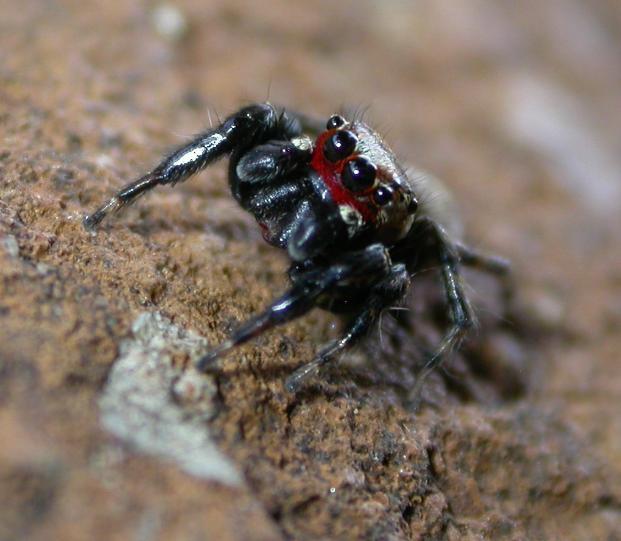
266, 233
331, 175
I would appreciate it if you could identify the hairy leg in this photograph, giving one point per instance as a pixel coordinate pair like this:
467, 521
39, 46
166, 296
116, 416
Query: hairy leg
247, 127
460, 312
369, 263
385, 293
266, 166
489, 263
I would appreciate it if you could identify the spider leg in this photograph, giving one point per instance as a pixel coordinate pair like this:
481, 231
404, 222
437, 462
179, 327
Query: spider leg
241, 130
372, 261
473, 258
390, 289
492, 264
461, 314
273, 183
293, 304
265, 167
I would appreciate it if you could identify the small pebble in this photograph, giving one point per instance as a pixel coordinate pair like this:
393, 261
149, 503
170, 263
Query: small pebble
169, 22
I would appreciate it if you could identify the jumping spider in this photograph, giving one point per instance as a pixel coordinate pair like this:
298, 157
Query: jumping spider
354, 224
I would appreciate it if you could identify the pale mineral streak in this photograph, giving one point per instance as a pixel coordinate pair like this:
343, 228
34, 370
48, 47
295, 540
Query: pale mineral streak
145, 400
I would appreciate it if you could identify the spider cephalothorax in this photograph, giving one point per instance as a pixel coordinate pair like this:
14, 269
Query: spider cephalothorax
343, 208
364, 179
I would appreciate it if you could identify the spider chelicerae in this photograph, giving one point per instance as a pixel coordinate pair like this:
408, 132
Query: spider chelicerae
355, 225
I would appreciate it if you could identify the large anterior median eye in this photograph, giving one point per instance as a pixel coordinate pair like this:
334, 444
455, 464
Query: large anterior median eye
339, 145
359, 174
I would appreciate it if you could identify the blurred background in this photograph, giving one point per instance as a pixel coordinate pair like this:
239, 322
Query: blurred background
516, 105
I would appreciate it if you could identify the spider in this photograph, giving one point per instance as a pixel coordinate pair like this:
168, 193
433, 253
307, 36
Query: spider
355, 226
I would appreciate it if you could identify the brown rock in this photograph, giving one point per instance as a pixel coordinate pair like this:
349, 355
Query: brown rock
107, 430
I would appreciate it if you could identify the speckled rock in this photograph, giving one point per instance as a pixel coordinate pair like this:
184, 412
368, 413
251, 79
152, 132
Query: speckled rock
108, 431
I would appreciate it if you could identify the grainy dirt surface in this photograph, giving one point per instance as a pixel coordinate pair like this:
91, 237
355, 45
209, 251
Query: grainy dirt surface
518, 108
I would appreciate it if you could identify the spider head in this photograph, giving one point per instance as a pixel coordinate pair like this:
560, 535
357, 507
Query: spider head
365, 180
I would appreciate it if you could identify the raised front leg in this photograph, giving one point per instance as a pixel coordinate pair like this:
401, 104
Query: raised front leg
247, 127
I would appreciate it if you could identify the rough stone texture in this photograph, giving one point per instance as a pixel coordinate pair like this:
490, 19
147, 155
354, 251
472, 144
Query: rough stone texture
516, 105
147, 400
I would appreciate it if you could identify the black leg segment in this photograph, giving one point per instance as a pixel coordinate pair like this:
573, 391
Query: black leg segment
370, 263
241, 130
461, 315
489, 263
384, 294
264, 164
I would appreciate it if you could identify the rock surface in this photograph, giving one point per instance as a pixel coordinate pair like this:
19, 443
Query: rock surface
517, 107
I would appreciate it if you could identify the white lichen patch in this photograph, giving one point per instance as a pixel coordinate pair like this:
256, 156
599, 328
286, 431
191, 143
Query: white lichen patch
160, 408
10, 246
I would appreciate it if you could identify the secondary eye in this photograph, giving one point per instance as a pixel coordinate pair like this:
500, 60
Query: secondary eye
382, 196
359, 174
339, 145
335, 121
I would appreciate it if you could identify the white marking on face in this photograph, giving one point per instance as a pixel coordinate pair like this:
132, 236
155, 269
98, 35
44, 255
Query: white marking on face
352, 218
303, 142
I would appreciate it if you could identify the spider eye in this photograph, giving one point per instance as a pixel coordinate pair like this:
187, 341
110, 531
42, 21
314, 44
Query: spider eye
359, 174
382, 196
335, 121
339, 145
